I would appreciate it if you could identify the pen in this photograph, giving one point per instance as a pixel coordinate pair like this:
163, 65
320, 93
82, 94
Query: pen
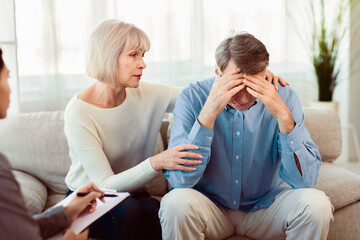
83, 194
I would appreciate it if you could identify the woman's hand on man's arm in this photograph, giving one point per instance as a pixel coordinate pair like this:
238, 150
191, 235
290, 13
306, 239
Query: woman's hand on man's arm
175, 158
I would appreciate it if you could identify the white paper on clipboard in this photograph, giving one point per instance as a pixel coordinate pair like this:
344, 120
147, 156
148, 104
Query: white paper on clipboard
88, 218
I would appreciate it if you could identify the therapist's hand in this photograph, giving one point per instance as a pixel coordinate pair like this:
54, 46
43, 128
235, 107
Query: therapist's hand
78, 204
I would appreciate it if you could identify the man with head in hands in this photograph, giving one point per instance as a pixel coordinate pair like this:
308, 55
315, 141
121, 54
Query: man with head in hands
259, 160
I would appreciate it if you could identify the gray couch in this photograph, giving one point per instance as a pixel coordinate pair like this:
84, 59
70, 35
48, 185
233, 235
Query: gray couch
37, 150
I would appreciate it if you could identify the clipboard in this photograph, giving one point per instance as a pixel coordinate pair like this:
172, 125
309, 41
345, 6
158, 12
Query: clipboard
87, 218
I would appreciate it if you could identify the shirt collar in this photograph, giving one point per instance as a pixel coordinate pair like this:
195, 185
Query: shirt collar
228, 107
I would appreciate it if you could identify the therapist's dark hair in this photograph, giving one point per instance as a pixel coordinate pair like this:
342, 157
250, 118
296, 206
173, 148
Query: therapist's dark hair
1, 61
247, 52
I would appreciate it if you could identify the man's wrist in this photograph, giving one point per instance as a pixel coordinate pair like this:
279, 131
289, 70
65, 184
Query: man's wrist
286, 122
207, 119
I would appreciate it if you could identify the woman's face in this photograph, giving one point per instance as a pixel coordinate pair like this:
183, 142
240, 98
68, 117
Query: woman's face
130, 65
4, 92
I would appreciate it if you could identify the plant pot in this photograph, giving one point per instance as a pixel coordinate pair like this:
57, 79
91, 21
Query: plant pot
330, 105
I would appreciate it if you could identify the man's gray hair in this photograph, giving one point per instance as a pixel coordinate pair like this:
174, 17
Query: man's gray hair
247, 52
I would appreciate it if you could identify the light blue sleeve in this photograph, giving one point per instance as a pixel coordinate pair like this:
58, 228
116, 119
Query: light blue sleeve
187, 130
298, 142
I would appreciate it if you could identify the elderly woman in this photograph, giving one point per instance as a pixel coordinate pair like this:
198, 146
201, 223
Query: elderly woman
15, 221
112, 127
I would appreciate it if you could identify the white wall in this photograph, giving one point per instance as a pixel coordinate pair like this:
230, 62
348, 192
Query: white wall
354, 84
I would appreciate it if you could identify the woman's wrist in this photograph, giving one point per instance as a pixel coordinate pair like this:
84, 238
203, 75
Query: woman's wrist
154, 163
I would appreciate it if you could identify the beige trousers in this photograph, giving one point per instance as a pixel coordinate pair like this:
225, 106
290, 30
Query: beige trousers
187, 214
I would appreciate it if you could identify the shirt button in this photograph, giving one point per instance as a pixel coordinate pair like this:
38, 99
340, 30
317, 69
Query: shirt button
234, 202
291, 142
236, 181
209, 137
237, 157
238, 133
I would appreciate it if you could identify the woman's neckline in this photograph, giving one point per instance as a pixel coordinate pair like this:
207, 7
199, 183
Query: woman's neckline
123, 103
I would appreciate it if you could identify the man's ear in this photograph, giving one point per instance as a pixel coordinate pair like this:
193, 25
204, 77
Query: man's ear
218, 71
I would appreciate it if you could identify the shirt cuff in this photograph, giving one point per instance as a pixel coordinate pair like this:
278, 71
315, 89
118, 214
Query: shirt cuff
200, 135
62, 216
291, 141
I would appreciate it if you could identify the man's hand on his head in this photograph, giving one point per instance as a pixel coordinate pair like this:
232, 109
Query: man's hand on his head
264, 91
271, 78
223, 89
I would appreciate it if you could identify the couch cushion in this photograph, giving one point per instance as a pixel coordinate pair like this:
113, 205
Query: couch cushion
346, 223
339, 184
157, 186
35, 143
325, 130
33, 191
52, 199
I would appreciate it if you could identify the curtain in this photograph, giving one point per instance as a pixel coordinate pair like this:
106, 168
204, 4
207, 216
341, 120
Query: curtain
52, 36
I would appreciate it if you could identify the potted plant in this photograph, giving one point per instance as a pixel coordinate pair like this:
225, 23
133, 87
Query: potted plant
329, 39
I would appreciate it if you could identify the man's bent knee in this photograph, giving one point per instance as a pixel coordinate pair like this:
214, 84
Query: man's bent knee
178, 202
316, 205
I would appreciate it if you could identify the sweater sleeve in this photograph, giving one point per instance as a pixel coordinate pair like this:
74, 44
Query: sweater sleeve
90, 162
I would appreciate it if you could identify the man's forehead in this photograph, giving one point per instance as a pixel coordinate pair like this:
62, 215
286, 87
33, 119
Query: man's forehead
232, 66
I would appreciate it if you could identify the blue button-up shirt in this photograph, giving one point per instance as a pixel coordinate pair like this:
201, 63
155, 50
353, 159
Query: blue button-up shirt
247, 161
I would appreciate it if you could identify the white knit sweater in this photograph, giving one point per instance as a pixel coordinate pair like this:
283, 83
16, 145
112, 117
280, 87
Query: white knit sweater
111, 146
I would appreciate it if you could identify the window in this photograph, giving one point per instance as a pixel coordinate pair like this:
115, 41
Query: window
52, 36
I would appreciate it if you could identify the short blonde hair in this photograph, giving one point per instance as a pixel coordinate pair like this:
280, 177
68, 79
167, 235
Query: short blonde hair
106, 43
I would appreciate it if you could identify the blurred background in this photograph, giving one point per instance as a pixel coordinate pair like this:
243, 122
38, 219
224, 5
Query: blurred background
44, 44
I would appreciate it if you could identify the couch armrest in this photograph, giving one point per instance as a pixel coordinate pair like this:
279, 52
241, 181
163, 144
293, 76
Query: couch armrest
325, 130
339, 184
